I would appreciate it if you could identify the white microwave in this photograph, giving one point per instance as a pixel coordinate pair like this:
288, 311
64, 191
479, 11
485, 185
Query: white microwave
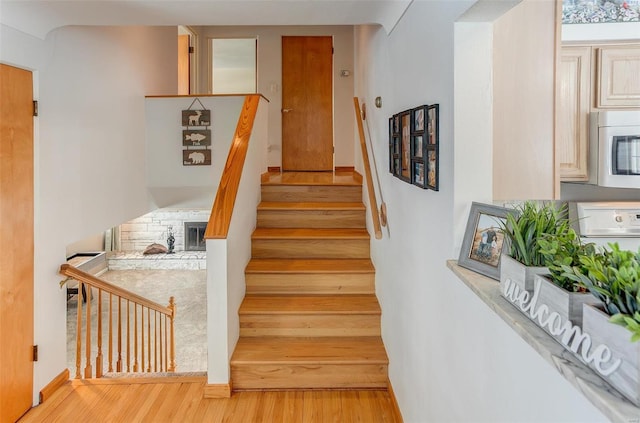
614, 143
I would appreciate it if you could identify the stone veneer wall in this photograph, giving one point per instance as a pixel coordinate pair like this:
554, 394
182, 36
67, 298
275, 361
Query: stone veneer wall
138, 233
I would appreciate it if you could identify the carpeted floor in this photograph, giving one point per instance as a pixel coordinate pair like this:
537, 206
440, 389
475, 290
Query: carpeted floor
189, 289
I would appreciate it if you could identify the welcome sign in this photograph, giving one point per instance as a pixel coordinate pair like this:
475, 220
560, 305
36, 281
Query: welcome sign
569, 335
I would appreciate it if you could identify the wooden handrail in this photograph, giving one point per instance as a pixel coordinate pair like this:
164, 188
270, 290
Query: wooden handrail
373, 205
79, 275
220, 219
125, 300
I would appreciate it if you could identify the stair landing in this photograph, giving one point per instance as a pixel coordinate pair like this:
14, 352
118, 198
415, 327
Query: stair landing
346, 178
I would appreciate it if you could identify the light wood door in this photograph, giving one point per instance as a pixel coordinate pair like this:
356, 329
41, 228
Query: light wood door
183, 65
573, 107
16, 227
307, 103
619, 76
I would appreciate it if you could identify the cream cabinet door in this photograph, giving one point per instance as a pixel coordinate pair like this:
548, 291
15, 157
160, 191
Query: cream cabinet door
618, 77
572, 112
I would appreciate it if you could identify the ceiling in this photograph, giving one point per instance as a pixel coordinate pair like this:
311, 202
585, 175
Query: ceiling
38, 17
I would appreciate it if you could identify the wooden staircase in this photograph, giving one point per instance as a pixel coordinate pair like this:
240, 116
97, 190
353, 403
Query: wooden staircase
310, 318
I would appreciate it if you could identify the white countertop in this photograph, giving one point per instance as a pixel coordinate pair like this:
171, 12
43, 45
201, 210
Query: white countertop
600, 393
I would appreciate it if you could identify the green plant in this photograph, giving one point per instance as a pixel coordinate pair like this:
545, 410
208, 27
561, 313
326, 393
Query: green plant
528, 224
613, 276
562, 250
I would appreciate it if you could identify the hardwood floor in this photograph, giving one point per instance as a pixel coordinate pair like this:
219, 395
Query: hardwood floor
179, 399
309, 327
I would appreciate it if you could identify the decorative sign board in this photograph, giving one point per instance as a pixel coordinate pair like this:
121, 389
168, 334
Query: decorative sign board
569, 335
196, 157
196, 137
196, 118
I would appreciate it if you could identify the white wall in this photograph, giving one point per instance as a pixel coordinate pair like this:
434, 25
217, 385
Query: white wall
473, 116
89, 244
451, 358
20, 49
90, 171
270, 79
170, 183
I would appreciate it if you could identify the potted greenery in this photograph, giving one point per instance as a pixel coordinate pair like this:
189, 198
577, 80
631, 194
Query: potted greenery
613, 276
559, 292
523, 228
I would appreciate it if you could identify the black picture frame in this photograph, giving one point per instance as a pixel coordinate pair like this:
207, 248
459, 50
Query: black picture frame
414, 146
391, 145
432, 135
484, 257
418, 146
418, 174
433, 124
419, 116
432, 168
394, 145
405, 145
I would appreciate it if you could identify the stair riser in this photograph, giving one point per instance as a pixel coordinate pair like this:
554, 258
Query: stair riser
314, 283
306, 248
305, 325
321, 376
311, 193
311, 219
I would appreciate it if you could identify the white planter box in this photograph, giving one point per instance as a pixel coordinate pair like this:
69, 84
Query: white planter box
518, 273
626, 378
567, 304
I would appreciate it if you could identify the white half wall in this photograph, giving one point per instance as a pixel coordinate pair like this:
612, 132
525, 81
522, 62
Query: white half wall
227, 258
270, 78
451, 358
170, 183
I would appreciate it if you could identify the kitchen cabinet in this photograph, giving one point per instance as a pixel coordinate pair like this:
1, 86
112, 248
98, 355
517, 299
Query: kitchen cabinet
572, 114
618, 76
591, 76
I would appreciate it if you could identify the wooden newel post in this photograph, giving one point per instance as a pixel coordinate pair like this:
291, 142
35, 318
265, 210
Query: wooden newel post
172, 356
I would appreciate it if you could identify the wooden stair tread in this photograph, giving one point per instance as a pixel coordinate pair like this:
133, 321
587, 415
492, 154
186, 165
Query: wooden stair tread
312, 178
309, 304
312, 351
257, 265
306, 233
282, 205
310, 318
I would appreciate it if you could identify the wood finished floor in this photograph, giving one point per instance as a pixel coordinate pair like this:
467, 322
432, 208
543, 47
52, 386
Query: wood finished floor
180, 400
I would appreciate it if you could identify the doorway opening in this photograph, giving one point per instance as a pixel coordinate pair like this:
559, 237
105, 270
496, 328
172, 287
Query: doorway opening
186, 60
